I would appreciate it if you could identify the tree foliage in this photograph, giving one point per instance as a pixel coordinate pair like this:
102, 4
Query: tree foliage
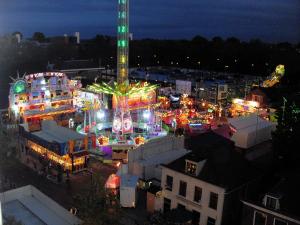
39, 36
97, 206
286, 139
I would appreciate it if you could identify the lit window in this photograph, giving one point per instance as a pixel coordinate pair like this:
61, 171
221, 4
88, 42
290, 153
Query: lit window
191, 168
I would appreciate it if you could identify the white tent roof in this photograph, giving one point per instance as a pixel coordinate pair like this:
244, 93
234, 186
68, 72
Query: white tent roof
246, 122
251, 130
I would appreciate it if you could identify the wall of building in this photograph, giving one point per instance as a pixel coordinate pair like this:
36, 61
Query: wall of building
151, 150
232, 208
155, 147
212, 92
203, 206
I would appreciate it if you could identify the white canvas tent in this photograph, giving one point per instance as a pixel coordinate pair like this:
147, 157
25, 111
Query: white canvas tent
128, 192
251, 130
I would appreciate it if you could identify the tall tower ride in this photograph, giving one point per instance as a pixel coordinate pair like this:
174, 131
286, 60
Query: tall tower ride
122, 123
122, 126
123, 41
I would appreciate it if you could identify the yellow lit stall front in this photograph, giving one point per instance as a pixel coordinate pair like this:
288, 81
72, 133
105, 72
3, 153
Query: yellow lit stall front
57, 146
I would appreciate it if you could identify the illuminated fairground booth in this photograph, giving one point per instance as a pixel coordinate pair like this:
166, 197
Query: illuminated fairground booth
54, 149
240, 107
40, 96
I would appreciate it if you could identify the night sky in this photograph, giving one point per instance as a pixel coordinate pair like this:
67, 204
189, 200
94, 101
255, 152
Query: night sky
269, 20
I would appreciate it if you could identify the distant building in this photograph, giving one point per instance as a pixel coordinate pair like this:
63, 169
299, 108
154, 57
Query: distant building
266, 97
208, 182
183, 87
213, 91
31, 207
278, 206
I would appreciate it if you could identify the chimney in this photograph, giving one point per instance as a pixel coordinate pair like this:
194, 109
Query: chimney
77, 35
66, 39
18, 36
131, 36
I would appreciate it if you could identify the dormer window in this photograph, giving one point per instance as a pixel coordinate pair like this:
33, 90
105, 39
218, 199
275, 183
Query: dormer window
194, 166
191, 168
271, 202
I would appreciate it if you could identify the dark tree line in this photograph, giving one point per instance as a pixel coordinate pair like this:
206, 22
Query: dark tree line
230, 55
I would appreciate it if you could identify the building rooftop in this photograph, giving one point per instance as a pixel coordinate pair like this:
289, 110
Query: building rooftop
51, 132
223, 166
287, 190
207, 140
284, 187
31, 207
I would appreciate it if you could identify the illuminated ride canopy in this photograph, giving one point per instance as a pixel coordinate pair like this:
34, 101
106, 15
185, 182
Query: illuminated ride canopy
123, 93
126, 96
